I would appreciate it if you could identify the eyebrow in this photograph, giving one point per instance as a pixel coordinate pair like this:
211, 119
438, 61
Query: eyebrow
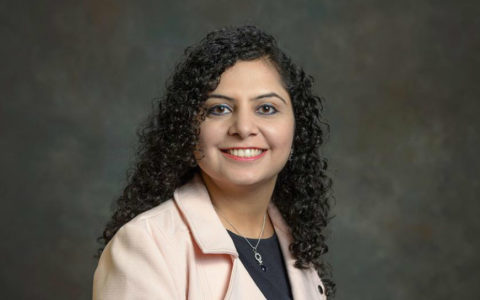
269, 95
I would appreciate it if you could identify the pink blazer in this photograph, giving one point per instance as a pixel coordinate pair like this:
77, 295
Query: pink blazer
180, 250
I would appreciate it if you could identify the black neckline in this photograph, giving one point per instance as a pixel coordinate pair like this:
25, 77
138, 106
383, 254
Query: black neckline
273, 237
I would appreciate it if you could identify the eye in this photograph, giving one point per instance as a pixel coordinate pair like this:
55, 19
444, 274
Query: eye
267, 109
217, 110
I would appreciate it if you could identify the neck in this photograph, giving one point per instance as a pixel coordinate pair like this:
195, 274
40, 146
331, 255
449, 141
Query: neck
244, 207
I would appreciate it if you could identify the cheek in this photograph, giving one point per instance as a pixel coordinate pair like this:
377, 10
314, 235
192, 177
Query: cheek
209, 135
281, 136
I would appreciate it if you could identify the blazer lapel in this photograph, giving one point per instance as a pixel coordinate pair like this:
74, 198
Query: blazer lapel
194, 203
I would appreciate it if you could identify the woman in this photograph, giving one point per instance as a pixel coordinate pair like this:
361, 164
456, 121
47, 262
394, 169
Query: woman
229, 198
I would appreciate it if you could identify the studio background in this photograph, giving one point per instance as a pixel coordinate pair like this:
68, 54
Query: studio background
400, 83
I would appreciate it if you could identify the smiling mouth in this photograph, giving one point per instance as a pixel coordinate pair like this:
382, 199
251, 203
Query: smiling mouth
244, 153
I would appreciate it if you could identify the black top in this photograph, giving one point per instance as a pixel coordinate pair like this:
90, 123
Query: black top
272, 279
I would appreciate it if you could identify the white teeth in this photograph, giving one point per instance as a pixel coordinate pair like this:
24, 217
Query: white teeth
244, 152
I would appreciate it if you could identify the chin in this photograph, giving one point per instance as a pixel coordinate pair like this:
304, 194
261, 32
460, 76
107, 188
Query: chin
246, 179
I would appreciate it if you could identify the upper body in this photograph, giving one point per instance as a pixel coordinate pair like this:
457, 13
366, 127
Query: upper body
181, 250
240, 119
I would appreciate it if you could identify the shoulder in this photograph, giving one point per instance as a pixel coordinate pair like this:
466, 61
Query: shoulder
162, 221
141, 253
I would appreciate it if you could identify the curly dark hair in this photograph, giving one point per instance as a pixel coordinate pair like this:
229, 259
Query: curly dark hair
165, 157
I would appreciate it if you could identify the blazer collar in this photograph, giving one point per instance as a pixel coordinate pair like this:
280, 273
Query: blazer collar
194, 203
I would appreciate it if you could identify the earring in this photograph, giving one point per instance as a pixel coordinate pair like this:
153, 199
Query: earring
193, 162
291, 155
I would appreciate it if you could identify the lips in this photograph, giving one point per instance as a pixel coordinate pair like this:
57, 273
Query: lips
232, 148
243, 150
244, 153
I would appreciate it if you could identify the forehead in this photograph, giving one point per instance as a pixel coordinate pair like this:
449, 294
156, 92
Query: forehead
250, 78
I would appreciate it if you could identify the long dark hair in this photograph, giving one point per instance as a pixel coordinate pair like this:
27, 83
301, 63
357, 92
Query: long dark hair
165, 158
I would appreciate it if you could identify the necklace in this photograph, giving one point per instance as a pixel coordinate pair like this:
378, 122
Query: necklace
257, 255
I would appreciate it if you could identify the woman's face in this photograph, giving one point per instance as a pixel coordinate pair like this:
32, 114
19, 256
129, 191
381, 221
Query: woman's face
248, 131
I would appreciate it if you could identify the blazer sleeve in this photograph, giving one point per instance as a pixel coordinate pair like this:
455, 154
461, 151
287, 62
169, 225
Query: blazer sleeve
133, 266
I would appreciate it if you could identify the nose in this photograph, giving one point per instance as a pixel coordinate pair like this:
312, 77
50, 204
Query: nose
243, 124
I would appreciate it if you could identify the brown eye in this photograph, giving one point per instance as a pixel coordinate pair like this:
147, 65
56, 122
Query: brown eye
267, 109
218, 110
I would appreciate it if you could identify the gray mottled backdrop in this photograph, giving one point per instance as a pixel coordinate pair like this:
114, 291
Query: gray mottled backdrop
401, 83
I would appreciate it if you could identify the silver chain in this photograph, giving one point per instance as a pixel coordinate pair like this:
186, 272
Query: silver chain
258, 256
259, 238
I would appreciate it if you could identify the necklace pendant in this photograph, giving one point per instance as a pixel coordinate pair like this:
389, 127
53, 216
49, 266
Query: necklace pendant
258, 257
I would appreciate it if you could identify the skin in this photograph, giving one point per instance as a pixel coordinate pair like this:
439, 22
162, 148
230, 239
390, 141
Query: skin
249, 108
